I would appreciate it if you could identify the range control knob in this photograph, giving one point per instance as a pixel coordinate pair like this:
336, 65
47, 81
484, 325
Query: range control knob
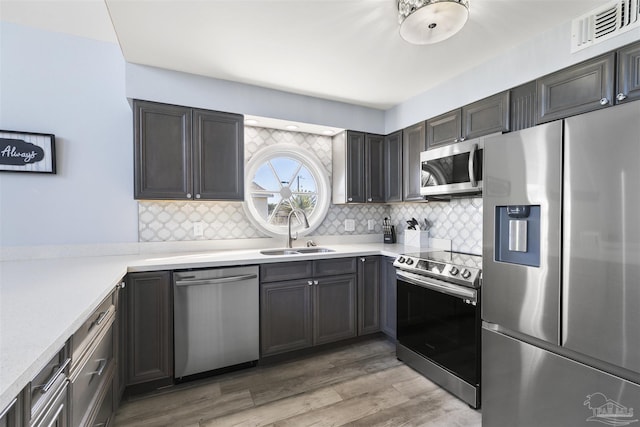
466, 273
401, 259
454, 270
409, 261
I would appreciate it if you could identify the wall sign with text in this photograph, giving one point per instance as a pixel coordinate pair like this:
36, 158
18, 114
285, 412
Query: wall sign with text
27, 152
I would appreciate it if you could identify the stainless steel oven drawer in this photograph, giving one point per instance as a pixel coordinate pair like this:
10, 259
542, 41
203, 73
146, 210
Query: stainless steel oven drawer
88, 382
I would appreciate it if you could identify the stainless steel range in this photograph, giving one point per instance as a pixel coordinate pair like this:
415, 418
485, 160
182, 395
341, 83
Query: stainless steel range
439, 324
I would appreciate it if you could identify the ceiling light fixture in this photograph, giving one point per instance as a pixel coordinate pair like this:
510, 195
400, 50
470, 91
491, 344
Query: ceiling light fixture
251, 122
291, 127
431, 21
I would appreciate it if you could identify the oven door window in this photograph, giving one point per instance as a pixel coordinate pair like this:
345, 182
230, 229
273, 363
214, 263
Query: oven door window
441, 328
452, 169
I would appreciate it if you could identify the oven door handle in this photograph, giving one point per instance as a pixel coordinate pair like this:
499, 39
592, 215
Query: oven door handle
438, 286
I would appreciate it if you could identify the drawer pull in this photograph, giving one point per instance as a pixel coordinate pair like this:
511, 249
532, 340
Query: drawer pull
101, 366
45, 388
8, 408
101, 317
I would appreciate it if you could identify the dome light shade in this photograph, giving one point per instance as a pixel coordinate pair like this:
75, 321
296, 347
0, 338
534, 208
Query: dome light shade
431, 21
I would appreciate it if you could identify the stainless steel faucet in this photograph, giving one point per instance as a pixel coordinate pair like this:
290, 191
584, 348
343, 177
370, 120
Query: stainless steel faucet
305, 223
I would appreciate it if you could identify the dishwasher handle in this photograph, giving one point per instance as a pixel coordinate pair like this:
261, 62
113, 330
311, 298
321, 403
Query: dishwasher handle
216, 281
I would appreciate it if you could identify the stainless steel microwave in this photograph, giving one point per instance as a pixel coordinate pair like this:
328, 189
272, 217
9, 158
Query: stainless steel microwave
452, 170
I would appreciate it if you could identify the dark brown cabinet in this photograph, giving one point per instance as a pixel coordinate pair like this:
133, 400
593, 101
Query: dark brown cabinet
584, 87
358, 168
393, 167
368, 295
413, 143
388, 298
181, 153
489, 115
45, 400
306, 309
149, 330
522, 109
628, 81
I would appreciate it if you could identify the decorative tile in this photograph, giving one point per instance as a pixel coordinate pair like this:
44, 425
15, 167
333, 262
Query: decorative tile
459, 220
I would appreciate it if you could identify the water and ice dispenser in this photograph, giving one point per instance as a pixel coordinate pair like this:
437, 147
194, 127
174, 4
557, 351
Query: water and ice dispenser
517, 239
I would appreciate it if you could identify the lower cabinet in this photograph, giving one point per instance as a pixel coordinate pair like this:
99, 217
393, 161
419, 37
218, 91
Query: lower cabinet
149, 329
368, 295
45, 399
11, 415
308, 309
388, 298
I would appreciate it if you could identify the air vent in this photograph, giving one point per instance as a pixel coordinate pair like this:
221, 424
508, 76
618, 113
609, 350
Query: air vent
604, 22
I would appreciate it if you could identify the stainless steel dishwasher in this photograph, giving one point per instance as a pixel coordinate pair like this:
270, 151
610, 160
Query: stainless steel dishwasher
216, 319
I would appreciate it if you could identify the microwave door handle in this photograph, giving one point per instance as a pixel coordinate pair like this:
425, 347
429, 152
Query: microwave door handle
472, 172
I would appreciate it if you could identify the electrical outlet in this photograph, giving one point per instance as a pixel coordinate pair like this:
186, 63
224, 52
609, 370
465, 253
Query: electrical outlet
198, 229
349, 225
371, 225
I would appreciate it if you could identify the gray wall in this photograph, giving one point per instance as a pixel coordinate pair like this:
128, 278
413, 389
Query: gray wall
74, 88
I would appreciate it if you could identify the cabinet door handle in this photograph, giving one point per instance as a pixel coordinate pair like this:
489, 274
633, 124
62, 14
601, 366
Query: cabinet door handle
604, 101
121, 285
363, 259
188, 195
621, 96
350, 199
456, 140
45, 388
310, 282
197, 196
369, 199
315, 282
462, 139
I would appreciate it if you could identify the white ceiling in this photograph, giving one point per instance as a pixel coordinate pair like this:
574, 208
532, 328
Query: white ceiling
344, 50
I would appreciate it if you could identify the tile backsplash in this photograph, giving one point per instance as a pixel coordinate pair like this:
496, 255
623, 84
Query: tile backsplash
160, 221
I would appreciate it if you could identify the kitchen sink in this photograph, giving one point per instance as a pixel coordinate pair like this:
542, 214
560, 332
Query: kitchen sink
296, 251
314, 250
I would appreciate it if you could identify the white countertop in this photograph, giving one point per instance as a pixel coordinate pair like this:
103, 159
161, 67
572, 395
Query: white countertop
44, 301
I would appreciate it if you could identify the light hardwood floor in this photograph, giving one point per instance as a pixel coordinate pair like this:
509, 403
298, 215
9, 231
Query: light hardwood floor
360, 384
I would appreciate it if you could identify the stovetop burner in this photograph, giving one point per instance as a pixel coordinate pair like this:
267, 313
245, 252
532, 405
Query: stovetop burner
456, 267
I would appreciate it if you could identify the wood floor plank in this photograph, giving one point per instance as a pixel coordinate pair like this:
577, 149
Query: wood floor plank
360, 384
348, 410
272, 412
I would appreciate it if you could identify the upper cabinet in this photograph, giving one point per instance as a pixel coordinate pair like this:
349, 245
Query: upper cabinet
522, 106
183, 153
489, 115
628, 84
578, 89
393, 167
413, 143
358, 168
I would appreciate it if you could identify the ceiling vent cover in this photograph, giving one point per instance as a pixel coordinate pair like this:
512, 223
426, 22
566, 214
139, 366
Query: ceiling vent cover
604, 22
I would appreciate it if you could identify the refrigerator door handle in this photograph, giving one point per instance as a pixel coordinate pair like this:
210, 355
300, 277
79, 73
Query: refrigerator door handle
472, 161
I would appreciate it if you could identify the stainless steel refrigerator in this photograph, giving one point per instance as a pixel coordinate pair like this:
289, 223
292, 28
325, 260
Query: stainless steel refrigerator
561, 273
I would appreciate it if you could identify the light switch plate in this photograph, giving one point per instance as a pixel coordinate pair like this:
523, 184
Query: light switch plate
349, 225
371, 225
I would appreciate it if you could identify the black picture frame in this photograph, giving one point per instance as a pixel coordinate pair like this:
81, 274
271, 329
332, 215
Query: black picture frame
27, 152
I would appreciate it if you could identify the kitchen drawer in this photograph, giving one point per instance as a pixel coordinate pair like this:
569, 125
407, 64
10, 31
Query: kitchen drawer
88, 382
44, 385
334, 267
85, 335
55, 414
285, 271
105, 411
